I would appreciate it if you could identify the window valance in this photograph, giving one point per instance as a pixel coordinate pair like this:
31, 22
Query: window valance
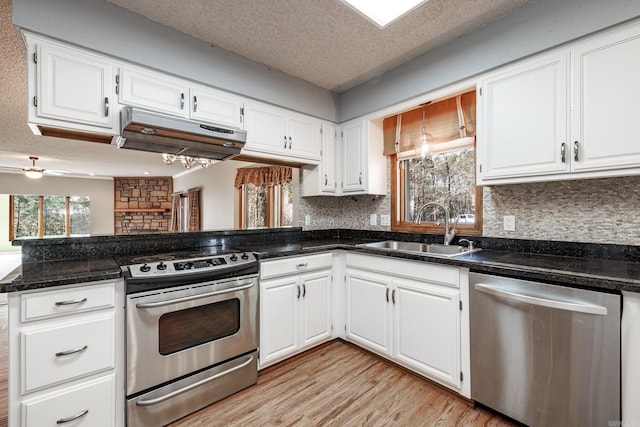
268, 175
444, 121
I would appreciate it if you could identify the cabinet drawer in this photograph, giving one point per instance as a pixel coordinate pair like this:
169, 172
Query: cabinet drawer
67, 351
94, 399
418, 270
41, 305
294, 265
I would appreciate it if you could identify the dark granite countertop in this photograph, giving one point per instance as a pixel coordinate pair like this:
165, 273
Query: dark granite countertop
587, 273
596, 273
46, 274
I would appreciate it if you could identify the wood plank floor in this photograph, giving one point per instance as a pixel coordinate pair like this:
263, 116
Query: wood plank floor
339, 384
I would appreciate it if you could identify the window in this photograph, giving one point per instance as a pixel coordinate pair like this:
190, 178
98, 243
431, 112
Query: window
48, 216
266, 196
433, 158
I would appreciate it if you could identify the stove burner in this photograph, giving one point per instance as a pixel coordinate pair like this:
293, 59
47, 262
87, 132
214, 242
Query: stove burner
151, 258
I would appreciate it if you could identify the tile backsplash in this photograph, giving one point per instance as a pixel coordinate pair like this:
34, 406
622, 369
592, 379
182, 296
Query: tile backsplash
602, 210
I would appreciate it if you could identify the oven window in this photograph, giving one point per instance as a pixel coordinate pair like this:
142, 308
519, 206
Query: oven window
188, 328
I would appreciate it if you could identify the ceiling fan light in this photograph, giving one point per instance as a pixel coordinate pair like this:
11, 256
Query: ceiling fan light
33, 173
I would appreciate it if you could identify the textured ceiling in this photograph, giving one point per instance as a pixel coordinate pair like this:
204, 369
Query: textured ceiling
322, 41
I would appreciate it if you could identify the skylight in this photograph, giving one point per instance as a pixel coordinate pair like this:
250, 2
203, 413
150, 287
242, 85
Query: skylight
383, 12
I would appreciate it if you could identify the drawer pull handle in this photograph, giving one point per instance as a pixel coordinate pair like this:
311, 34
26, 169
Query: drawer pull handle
72, 418
160, 399
71, 302
69, 352
303, 265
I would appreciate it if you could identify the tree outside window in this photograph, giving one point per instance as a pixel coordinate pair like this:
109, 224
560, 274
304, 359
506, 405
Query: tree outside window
49, 216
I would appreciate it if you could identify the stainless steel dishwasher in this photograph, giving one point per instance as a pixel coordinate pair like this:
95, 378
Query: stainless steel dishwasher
544, 354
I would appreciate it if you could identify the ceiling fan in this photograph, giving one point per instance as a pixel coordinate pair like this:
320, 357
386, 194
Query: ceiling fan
33, 171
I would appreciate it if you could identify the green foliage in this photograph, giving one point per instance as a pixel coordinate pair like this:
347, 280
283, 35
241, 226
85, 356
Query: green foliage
446, 178
26, 215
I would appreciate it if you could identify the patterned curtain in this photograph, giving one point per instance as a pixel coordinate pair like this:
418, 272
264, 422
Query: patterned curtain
269, 175
193, 199
174, 224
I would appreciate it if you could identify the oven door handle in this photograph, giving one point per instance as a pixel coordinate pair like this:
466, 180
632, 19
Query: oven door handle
143, 305
174, 393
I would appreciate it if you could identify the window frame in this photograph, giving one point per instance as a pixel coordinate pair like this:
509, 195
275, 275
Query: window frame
41, 235
275, 197
398, 178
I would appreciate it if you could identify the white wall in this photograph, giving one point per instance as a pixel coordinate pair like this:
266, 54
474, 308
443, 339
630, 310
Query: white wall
100, 192
218, 197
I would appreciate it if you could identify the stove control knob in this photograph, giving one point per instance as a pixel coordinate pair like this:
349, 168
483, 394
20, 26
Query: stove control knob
145, 268
233, 257
162, 266
244, 256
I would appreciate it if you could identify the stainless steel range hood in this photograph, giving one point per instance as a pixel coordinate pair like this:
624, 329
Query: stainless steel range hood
158, 133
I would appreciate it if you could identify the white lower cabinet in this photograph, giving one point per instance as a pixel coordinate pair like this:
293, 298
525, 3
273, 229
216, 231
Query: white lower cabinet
66, 358
295, 305
412, 313
91, 404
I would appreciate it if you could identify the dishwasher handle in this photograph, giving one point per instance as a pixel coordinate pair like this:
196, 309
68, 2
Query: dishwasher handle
543, 302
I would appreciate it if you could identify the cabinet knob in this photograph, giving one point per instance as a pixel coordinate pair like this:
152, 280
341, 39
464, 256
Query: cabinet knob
298, 286
576, 150
285, 142
360, 178
106, 107
195, 103
182, 101
563, 150
326, 179
289, 143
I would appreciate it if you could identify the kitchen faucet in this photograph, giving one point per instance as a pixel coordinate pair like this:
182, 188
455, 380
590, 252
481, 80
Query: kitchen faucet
448, 234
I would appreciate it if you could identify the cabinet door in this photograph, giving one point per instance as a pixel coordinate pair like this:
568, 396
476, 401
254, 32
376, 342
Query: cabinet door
75, 87
216, 107
265, 129
368, 310
524, 120
427, 329
153, 91
328, 159
605, 107
353, 157
316, 308
279, 329
304, 135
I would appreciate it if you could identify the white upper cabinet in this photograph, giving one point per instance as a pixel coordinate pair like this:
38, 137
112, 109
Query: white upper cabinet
322, 180
214, 106
305, 136
364, 167
563, 115
605, 98
524, 119
153, 91
70, 86
281, 135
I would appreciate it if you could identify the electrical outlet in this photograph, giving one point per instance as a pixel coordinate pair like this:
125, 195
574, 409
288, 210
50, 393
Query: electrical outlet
373, 219
385, 220
509, 223
307, 220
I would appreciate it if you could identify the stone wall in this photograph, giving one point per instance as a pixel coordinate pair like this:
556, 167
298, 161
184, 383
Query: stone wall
142, 204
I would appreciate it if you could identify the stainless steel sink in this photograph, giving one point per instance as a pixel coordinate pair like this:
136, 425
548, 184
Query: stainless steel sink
430, 249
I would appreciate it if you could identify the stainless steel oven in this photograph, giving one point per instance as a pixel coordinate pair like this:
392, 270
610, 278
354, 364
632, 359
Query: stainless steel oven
192, 334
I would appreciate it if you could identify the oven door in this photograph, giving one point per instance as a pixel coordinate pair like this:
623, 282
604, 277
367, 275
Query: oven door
177, 331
